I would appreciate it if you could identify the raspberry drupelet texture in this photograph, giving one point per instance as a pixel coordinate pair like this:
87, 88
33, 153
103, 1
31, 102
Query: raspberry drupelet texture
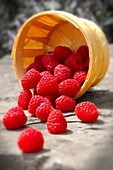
35, 101
43, 111
47, 85
65, 103
14, 118
80, 76
62, 52
61, 72
50, 62
30, 79
56, 122
86, 111
30, 140
24, 98
69, 87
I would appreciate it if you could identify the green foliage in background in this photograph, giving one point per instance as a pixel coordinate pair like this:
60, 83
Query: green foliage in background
13, 13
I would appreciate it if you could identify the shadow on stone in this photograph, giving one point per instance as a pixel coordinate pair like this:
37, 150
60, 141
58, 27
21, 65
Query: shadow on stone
102, 98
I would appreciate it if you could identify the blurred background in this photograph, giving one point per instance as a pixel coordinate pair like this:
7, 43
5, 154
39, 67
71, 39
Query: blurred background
13, 13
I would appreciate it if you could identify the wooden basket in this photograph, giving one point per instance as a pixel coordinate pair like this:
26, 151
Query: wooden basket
42, 32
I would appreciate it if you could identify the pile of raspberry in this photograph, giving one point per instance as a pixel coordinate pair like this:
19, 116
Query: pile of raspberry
49, 86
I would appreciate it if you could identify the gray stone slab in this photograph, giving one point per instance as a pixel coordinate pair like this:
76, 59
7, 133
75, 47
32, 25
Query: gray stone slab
82, 147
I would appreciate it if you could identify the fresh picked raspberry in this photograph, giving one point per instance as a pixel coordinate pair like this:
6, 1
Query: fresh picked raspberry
24, 98
62, 72
14, 118
39, 59
65, 103
86, 111
30, 79
80, 76
35, 101
62, 52
74, 62
30, 140
84, 52
43, 111
69, 87
47, 86
50, 62
56, 122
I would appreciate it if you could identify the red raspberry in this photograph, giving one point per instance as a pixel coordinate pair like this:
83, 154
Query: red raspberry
61, 72
69, 87
24, 98
74, 62
39, 59
65, 103
50, 62
30, 79
84, 52
35, 101
36, 66
14, 118
43, 111
44, 73
47, 85
30, 140
62, 52
80, 76
86, 112
56, 123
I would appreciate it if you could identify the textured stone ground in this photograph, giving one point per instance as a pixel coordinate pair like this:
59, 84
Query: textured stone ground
82, 147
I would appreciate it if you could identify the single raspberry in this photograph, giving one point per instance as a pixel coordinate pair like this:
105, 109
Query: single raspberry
69, 87
56, 122
62, 52
24, 98
35, 101
30, 79
47, 86
14, 118
84, 52
74, 62
80, 76
50, 62
43, 111
61, 72
65, 103
39, 59
36, 66
30, 140
86, 111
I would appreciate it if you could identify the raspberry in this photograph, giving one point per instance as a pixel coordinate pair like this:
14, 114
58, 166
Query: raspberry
65, 103
61, 72
80, 76
69, 87
74, 62
84, 52
30, 79
47, 85
24, 98
30, 140
35, 101
43, 111
50, 62
62, 52
14, 118
86, 112
36, 66
39, 59
56, 122
44, 73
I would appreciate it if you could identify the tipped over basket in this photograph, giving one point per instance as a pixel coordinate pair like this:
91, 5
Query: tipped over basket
42, 32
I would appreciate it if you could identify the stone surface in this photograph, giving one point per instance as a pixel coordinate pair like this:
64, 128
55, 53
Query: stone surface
82, 147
